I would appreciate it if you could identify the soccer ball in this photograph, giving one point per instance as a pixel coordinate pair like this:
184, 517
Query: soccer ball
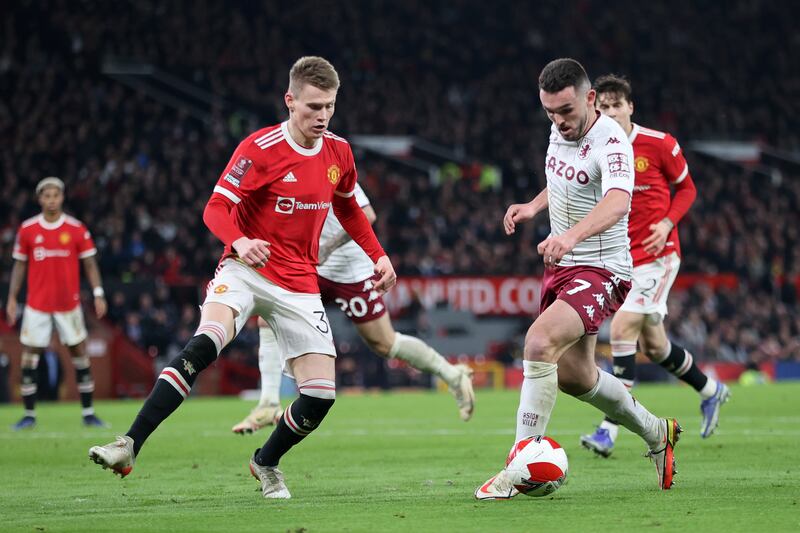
537, 466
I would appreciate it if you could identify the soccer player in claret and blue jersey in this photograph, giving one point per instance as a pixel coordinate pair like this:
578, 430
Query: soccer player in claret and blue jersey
659, 164
587, 275
268, 207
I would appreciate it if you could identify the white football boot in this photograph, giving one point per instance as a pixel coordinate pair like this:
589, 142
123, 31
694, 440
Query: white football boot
664, 459
498, 487
258, 418
117, 455
272, 483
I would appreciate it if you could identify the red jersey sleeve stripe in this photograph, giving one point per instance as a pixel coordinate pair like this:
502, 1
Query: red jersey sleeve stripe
227, 194
345, 194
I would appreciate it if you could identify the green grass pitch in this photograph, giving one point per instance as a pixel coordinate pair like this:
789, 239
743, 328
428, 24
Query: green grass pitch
404, 462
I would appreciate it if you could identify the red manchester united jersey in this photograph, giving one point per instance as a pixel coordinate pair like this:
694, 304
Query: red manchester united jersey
281, 193
659, 163
52, 250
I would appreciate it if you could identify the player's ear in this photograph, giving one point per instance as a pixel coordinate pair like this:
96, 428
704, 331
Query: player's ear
288, 98
591, 98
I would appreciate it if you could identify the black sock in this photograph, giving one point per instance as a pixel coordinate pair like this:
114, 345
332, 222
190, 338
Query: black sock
83, 377
624, 367
172, 386
28, 388
680, 363
301, 418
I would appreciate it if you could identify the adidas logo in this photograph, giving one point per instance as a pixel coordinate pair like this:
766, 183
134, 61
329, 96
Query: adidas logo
289, 178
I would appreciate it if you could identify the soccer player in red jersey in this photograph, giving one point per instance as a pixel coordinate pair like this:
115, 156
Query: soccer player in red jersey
268, 207
50, 246
653, 232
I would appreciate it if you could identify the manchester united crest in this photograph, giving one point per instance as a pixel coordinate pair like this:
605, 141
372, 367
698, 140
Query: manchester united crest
334, 173
641, 163
64, 238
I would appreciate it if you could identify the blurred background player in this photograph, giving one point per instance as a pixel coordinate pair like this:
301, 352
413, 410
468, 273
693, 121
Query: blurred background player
346, 278
655, 248
49, 245
268, 207
587, 271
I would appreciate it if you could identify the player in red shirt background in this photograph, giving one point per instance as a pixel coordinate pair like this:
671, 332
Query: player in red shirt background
655, 249
49, 246
268, 207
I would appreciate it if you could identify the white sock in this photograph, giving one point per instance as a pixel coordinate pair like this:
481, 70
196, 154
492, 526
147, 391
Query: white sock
612, 428
536, 398
708, 389
424, 358
269, 363
610, 396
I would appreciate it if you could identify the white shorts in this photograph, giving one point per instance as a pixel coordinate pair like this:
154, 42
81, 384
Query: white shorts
651, 285
37, 327
298, 319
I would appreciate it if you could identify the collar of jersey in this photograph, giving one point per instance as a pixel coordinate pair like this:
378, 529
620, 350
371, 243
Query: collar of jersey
52, 225
634, 132
296, 147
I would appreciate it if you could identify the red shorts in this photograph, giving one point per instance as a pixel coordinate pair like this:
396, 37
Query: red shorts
595, 293
359, 301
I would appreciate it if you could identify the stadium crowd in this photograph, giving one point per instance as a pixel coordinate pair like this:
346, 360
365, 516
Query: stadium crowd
139, 172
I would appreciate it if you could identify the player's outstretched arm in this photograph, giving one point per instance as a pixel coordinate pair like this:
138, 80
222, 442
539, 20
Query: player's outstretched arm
14, 286
605, 214
93, 274
342, 237
355, 223
517, 213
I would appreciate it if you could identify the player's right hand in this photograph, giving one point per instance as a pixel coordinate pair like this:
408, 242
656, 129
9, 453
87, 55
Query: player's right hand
254, 252
388, 277
11, 312
517, 213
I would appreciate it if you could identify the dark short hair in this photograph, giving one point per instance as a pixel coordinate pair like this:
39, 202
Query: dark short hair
613, 84
561, 73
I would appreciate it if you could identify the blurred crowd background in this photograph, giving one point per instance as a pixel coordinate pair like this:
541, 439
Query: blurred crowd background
462, 75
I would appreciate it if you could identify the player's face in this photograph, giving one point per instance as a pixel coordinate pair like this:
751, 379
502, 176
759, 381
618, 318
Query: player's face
51, 199
569, 110
310, 111
616, 106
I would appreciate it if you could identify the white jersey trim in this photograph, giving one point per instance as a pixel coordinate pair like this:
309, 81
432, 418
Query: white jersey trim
87, 253
296, 147
31, 221
19, 257
634, 133
227, 194
683, 174
52, 225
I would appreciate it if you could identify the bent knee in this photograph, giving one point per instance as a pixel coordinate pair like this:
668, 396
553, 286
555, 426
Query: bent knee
381, 347
542, 348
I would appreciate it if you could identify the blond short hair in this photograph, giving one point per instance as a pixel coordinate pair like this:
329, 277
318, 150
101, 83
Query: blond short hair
315, 71
50, 181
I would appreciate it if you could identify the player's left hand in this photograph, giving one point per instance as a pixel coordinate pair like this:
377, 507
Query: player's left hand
657, 239
554, 248
100, 306
388, 277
